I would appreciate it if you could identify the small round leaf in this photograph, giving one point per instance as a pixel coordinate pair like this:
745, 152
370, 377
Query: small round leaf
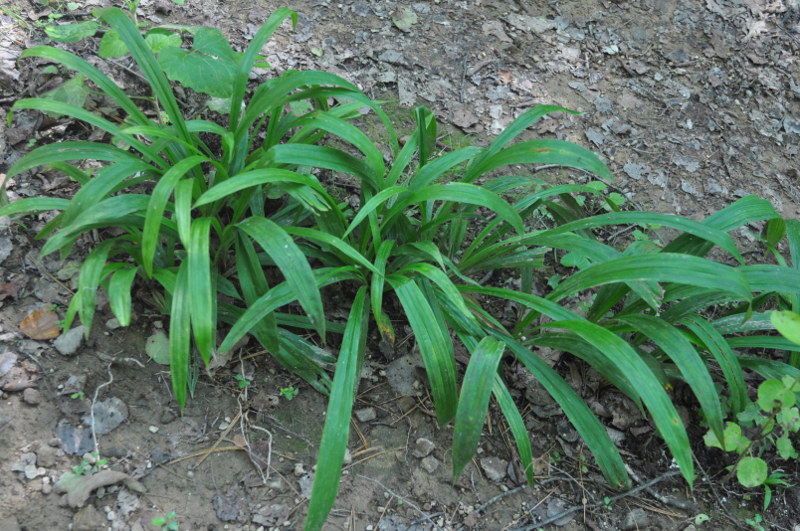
752, 472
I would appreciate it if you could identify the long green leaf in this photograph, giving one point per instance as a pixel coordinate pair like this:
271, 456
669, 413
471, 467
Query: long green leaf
294, 266
723, 353
661, 267
119, 294
180, 334
590, 429
89, 280
63, 151
655, 398
689, 226
434, 343
516, 424
155, 208
249, 179
203, 291
141, 53
473, 402
692, 367
251, 55
337, 420
34, 204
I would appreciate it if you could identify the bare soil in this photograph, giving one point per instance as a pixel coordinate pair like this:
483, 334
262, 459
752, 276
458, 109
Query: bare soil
691, 104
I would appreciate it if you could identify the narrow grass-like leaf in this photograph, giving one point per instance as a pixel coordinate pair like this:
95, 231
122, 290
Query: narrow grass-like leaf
34, 204
292, 263
541, 151
723, 353
180, 334
662, 267
155, 208
665, 416
108, 87
58, 107
377, 284
692, 367
141, 53
325, 157
203, 292
590, 429
516, 424
436, 168
460, 193
473, 402
434, 345
686, 225
119, 294
113, 211
254, 284
63, 151
108, 180
336, 243
337, 420
249, 179
767, 368
89, 279
251, 55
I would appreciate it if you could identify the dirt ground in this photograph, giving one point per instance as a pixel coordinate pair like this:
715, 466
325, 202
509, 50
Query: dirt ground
691, 104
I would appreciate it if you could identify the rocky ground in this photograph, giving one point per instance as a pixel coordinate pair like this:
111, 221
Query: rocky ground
692, 105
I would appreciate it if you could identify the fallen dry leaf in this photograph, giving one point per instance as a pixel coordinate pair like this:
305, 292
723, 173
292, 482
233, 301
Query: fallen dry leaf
505, 77
80, 487
41, 324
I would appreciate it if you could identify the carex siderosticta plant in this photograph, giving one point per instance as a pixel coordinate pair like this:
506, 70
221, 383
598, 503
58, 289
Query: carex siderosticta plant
230, 224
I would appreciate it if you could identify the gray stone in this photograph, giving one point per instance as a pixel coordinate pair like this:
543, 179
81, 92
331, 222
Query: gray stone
9, 524
68, 343
46, 456
88, 519
430, 464
494, 468
423, 447
636, 519
108, 414
366, 415
32, 396
226, 507
5, 248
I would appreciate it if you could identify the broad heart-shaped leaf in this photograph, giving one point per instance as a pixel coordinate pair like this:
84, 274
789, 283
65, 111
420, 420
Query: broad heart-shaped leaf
337, 421
111, 45
72, 92
474, 401
71, 32
752, 471
788, 324
209, 67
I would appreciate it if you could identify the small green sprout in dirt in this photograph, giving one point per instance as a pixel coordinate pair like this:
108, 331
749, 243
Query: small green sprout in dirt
80, 395
701, 519
755, 522
85, 467
289, 392
243, 382
607, 503
167, 522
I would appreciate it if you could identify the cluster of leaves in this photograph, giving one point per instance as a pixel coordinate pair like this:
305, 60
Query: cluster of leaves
230, 225
772, 421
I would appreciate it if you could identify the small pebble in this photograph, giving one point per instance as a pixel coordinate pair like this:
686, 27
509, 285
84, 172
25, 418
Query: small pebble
32, 396
366, 415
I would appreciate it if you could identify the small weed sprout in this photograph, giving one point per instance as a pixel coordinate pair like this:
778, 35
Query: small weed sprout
242, 381
167, 522
288, 392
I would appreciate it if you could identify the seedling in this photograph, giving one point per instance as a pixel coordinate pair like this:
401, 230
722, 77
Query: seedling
288, 392
80, 395
86, 468
243, 382
167, 522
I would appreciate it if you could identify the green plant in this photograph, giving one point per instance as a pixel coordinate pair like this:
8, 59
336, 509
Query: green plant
242, 381
772, 422
80, 395
85, 467
241, 210
756, 522
167, 522
288, 392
